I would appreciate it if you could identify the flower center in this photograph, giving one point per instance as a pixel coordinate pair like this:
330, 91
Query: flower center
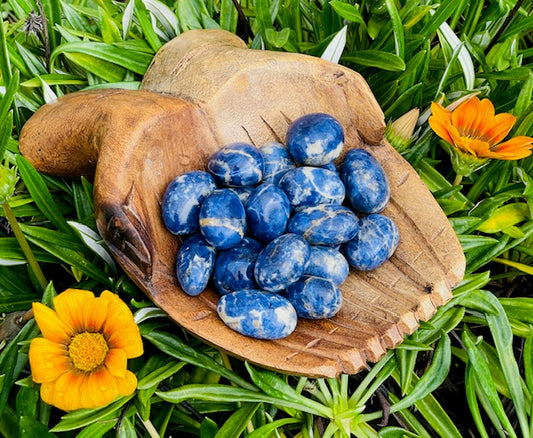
88, 350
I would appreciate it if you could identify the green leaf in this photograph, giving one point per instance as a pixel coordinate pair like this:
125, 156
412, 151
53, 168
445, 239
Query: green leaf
238, 421
470, 389
520, 308
376, 58
157, 376
504, 217
442, 13
6, 126
9, 95
347, 11
268, 429
146, 25
397, 27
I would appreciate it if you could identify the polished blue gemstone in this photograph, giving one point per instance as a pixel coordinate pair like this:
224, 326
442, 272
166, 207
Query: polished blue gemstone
180, 207
309, 186
326, 224
243, 192
281, 262
374, 243
258, 314
327, 262
194, 264
367, 186
222, 219
315, 139
237, 165
234, 267
277, 161
267, 212
314, 297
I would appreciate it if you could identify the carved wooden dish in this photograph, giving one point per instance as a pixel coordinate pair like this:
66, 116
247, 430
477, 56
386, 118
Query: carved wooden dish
203, 90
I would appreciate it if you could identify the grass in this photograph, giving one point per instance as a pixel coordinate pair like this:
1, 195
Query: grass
467, 372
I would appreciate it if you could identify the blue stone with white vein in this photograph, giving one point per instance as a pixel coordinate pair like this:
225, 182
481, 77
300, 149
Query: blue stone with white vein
281, 262
325, 224
267, 212
315, 139
327, 262
237, 165
314, 297
367, 186
374, 243
258, 314
194, 264
307, 186
180, 207
277, 161
222, 219
234, 267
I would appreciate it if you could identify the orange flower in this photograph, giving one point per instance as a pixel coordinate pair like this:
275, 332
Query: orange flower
81, 360
474, 128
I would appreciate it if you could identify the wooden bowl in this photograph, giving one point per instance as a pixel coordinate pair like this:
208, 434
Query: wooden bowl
203, 90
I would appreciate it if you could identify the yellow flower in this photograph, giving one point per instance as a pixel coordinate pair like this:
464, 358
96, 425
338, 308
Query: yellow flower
474, 129
81, 360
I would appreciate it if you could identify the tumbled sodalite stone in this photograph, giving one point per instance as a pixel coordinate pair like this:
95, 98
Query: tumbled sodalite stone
182, 199
267, 212
367, 186
374, 243
194, 264
236, 165
222, 219
315, 139
325, 224
281, 262
234, 267
314, 297
277, 161
258, 314
331, 166
308, 186
243, 192
327, 262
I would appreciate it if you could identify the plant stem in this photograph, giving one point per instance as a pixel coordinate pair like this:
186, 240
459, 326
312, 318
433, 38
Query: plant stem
458, 179
30, 257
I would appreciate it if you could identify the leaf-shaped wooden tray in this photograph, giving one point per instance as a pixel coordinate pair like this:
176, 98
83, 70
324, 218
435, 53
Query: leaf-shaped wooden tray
203, 90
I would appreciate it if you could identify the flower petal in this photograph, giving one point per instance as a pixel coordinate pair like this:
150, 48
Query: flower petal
440, 122
98, 389
513, 149
48, 360
474, 117
128, 384
69, 306
66, 393
95, 313
501, 126
120, 328
51, 325
116, 362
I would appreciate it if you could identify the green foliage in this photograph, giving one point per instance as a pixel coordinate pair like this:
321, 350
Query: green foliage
410, 53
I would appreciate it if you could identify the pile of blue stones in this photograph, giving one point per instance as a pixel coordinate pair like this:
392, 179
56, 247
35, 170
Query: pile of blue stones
276, 228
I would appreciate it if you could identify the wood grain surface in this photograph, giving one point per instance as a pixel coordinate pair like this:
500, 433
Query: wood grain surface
203, 90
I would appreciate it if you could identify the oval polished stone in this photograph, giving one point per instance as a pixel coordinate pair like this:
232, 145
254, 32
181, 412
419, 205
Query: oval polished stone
281, 262
314, 297
258, 314
308, 186
267, 212
222, 219
234, 267
194, 264
315, 139
237, 165
367, 186
327, 262
243, 192
374, 243
277, 161
326, 224
180, 207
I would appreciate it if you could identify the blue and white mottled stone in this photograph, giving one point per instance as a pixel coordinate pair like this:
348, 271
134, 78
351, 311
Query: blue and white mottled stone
314, 297
237, 165
194, 264
222, 219
182, 199
282, 262
277, 161
234, 267
327, 262
267, 212
315, 139
326, 224
331, 166
258, 314
374, 243
308, 186
243, 192
367, 186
